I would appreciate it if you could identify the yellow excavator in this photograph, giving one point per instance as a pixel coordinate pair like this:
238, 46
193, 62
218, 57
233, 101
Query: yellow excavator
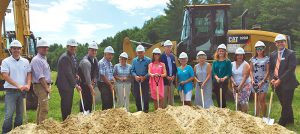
22, 33
205, 27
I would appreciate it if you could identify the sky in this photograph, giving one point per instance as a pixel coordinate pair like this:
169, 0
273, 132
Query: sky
56, 21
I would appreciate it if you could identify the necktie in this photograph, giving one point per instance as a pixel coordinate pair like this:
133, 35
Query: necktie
277, 64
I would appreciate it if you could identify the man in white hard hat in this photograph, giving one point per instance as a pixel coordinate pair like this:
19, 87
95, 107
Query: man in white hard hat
67, 77
168, 59
140, 73
88, 72
41, 79
16, 72
282, 72
122, 75
106, 80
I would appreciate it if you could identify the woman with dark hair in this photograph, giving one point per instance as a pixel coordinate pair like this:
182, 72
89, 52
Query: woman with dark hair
259, 74
221, 72
157, 71
241, 82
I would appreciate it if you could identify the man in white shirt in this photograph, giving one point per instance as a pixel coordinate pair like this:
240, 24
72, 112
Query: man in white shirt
16, 72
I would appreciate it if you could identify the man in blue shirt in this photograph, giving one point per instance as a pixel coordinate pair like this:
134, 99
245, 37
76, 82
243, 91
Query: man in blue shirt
169, 59
140, 74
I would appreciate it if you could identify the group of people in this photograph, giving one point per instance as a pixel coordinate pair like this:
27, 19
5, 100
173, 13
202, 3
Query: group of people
156, 78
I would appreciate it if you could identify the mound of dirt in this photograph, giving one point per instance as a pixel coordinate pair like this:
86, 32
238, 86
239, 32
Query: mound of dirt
182, 119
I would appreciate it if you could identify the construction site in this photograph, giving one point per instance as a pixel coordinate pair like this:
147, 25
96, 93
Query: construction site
205, 28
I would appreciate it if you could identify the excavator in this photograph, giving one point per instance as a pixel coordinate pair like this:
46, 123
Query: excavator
22, 33
205, 26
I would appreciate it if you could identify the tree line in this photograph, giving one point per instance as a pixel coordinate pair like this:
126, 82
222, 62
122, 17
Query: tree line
282, 16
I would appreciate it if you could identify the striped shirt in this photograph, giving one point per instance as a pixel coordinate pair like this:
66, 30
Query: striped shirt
122, 71
40, 69
106, 69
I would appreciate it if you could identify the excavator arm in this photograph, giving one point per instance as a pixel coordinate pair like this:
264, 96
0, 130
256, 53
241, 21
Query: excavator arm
22, 24
3, 6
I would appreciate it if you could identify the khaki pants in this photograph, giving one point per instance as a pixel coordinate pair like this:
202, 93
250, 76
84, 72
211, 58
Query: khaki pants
42, 109
169, 95
120, 94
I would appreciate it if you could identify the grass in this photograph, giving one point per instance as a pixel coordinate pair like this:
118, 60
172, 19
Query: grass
54, 105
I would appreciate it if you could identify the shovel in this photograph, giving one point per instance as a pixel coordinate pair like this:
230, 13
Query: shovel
236, 99
182, 93
268, 120
84, 112
221, 97
24, 107
255, 96
124, 93
114, 101
202, 94
94, 103
141, 95
156, 79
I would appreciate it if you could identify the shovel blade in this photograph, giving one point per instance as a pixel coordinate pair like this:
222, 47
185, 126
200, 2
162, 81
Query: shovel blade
268, 121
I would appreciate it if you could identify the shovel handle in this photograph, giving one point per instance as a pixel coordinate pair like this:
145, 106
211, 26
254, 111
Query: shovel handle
255, 96
141, 95
202, 97
221, 105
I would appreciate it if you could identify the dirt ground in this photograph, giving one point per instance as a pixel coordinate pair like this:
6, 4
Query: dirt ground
171, 120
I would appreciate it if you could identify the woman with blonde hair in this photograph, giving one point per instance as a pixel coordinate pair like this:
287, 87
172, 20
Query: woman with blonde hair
221, 72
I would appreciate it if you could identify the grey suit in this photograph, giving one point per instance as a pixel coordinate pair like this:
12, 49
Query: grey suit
66, 81
285, 91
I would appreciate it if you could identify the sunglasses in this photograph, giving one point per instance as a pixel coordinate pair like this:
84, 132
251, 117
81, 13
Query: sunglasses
260, 48
15, 48
156, 54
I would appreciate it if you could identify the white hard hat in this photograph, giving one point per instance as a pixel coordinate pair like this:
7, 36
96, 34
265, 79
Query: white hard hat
222, 46
72, 42
280, 37
42, 43
140, 48
200, 53
15, 43
93, 45
239, 51
109, 49
124, 55
156, 51
183, 55
260, 44
168, 43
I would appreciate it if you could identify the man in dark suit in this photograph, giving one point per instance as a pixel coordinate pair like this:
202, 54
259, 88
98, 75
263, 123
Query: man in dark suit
283, 78
67, 78
169, 59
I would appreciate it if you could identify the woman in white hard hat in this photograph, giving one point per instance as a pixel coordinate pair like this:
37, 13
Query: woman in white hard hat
221, 72
185, 76
240, 79
204, 82
122, 75
259, 74
157, 71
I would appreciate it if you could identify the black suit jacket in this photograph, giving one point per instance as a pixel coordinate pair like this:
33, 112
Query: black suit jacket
287, 69
66, 72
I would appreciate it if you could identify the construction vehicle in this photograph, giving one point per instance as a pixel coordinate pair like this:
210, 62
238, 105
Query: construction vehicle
205, 27
22, 33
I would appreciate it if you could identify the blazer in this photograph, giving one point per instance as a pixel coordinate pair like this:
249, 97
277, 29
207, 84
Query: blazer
286, 72
66, 72
174, 68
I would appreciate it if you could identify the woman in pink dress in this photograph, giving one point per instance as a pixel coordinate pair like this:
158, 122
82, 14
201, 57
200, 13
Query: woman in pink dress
157, 71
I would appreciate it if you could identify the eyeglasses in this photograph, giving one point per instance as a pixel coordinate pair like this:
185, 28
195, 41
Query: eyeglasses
259, 48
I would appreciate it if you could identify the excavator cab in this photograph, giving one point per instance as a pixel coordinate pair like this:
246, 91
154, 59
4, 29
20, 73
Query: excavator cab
204, 28
30, 50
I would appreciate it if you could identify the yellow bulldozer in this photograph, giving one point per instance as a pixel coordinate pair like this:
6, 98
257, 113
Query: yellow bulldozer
22, 33
204, 28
